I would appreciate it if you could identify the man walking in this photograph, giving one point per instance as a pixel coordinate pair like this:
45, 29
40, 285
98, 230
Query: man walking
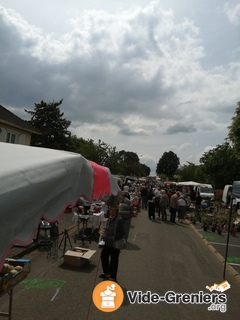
174, 206
163, 205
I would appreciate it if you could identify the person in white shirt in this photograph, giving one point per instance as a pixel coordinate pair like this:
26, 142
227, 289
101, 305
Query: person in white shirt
182, 207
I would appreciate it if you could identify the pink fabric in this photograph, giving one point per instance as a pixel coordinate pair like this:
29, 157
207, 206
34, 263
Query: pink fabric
101, 180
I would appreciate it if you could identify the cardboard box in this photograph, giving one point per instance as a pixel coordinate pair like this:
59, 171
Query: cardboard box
77, 257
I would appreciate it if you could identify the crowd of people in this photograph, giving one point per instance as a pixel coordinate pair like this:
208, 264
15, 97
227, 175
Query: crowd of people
158, 199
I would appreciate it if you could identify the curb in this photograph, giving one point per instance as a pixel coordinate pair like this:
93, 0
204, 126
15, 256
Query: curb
229, 268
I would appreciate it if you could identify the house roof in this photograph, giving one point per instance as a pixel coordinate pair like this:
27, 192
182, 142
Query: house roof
7, 117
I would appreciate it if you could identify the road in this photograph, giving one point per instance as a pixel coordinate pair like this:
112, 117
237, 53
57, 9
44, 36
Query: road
160, 257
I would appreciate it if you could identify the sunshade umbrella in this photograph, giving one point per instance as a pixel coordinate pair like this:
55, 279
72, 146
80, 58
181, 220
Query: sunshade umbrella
188, 183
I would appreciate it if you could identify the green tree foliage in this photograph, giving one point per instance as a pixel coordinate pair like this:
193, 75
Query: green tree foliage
234, 130
200, 175
145, 170
48, 120
191, 172
168, 164
106, 154
186, 172
219, 165
129, 163
86, 148
101, 152
120, 163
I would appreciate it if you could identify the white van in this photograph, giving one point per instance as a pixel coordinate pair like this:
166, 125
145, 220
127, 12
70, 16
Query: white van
206, 191
226, 197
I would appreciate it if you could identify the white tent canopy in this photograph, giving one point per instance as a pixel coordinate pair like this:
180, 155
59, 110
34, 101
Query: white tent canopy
40, 183
188, 183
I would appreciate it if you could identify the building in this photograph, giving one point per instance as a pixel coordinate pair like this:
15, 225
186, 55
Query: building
13, 129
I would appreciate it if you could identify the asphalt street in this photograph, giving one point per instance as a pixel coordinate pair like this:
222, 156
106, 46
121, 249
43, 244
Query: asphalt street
161, 258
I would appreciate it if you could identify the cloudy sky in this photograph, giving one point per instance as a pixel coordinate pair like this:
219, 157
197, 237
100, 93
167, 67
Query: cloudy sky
143, 76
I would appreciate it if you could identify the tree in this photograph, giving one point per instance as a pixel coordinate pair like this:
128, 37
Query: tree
200, 174
119, 162
234, 130
48, 120
168, 164
101, 152
106, 154
129, 163
192, 172
187, 172
219, 164
86, 148
145, 170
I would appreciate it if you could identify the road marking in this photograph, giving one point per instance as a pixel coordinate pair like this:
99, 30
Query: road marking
224, 244
55, 294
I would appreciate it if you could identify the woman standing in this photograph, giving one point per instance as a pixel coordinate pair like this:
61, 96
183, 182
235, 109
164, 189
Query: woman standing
125, 210
110, 255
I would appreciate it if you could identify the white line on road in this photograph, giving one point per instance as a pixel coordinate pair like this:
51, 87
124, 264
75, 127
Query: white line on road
55, 294
224, 244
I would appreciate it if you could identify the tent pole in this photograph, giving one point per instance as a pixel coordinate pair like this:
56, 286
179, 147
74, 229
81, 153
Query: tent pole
226, 253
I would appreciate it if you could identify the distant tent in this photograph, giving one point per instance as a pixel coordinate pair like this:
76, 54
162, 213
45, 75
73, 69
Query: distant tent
188, 183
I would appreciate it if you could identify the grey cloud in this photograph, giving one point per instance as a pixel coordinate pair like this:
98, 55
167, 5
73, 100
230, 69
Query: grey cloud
128, 131
185, 103
90, 83
181, 128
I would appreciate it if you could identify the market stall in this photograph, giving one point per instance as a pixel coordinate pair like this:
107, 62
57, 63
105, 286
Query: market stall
188, 183
38, 183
